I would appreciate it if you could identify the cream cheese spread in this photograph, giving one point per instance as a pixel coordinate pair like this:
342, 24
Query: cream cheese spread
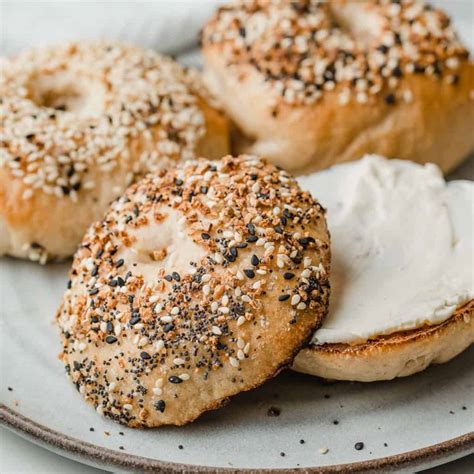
402, 246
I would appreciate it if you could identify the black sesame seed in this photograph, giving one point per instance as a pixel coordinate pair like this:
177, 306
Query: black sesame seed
168, 278
69, 284
397, 72
134, 320
99, 253
249, 273
205, 236
390, 99
110, 327
283, 297
231, 257
302, 441
282, 454
94, 291
176, 276
120, 281
95, 271
110, 339
251, 228
160, 405
359, 446
168, 327
252, 238
204, 189
119, 263
76, 186
145, 356
305, 241
174, 379
288, 275
180, 446
254, 260
179, 182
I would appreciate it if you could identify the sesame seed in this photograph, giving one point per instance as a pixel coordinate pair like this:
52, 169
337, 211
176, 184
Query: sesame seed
295, 300
249, 273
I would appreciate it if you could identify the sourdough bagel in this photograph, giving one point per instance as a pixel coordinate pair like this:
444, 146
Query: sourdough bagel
78, 123
402, 281
200, 282
310, 84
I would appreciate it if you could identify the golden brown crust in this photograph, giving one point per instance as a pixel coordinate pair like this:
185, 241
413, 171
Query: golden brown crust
79, 123
410, 111
199, 283
387, 357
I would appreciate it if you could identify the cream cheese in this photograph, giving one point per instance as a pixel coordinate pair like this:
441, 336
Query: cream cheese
402, 246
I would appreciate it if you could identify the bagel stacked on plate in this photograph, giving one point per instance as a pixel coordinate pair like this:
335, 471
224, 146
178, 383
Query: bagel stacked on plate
78, 123
402, 277
200, 282
310, 84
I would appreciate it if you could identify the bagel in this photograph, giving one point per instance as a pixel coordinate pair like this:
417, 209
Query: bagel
311, 84
78, 123
200, 282
396, 355
402, 278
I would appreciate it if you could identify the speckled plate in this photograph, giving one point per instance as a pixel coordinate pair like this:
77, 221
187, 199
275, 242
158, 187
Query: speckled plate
420, 421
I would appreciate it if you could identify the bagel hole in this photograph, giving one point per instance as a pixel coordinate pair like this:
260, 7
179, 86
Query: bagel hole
163, 245
66, 92
362, 25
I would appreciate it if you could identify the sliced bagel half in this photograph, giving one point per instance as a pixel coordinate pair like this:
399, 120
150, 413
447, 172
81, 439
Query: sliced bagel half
402, 276
396, 355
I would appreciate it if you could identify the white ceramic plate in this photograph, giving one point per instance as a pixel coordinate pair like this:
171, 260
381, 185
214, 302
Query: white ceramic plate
432, 412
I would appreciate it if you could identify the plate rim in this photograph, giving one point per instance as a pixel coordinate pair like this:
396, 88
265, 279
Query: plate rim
56, 440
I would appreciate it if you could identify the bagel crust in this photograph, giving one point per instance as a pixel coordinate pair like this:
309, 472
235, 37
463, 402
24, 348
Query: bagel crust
80, 122
199, 283
310, 84
387, 357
